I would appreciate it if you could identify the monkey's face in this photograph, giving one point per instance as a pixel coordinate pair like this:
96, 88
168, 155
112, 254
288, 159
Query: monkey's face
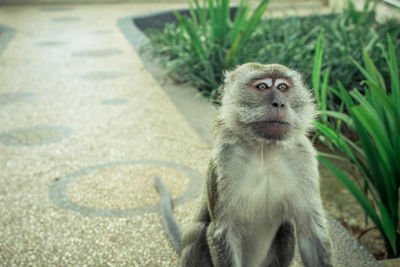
266, 102
272, 90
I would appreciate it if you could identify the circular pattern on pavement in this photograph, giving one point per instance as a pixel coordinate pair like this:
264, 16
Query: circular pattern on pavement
56, 9
37, 135
124, 186
15, 97
66, 19
102, 190
115, 101
50, 43
102, 32
102, 75
97, 53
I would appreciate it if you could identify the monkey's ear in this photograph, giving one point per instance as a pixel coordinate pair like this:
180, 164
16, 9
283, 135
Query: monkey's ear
228, 76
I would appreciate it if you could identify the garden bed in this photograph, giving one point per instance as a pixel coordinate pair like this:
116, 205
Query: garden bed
341, 205
289, 41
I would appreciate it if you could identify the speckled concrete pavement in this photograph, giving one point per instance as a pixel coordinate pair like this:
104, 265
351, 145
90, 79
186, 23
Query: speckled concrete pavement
84, 128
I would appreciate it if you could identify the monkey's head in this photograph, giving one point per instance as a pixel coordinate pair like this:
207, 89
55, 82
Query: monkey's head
266, 102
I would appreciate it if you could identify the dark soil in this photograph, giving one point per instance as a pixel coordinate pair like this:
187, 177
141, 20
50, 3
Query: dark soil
341, 205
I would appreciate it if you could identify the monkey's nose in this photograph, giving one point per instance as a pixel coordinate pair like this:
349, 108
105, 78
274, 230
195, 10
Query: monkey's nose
277, 100
278, 105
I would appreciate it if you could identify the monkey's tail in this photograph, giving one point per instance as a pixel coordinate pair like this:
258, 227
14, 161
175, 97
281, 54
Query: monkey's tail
171, 226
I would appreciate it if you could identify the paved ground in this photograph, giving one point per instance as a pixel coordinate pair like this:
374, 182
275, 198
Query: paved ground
84, 128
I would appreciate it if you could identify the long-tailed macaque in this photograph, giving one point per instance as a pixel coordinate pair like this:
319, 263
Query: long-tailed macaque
262, 188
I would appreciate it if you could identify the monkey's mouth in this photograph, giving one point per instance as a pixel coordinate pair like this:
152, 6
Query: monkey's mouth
271, 129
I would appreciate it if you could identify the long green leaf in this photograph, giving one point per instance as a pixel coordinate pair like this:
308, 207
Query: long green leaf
232, 55
365, 72
376, 153
193, 15
336, 139
364, 202
372, 122
345, 97
332, 156
387, 102
222, 17
372, 126
202, 17
239, 21
255, 17
357, 149
316, 73
394, 70
370, 154
324, 89
211, 12
370, 67
388, 228
194, 38
338, 115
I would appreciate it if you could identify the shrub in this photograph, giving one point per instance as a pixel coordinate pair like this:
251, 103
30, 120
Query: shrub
374, 116
209, 41
288, 41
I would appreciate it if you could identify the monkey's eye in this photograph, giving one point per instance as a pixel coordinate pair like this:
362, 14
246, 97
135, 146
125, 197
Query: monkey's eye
262, 86
282, 87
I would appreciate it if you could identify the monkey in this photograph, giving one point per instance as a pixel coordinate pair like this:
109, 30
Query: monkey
261, 194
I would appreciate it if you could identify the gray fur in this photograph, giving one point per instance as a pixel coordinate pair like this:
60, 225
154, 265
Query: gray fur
262, 189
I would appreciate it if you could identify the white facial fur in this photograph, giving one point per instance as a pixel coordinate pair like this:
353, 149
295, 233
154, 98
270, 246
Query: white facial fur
241, 105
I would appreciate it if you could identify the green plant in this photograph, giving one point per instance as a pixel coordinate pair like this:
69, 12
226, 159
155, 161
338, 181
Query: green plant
211, 30
290, 41
286, 40
215, 39
321, 91
375, 117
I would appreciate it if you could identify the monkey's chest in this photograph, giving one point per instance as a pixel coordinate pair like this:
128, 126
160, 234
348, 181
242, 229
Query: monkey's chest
261, 192
260, 203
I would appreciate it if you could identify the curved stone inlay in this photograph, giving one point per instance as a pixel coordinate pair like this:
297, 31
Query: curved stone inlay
97, 53
66, 19
37, 135
59, 196
50, 43
15, 97
102, 32
56, 9
6, 34
124, 186
102, 75
115, 101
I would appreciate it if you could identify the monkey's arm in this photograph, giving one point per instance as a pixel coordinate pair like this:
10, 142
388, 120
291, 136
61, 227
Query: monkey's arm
196, 251
204, 244
313, 237
216, 237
